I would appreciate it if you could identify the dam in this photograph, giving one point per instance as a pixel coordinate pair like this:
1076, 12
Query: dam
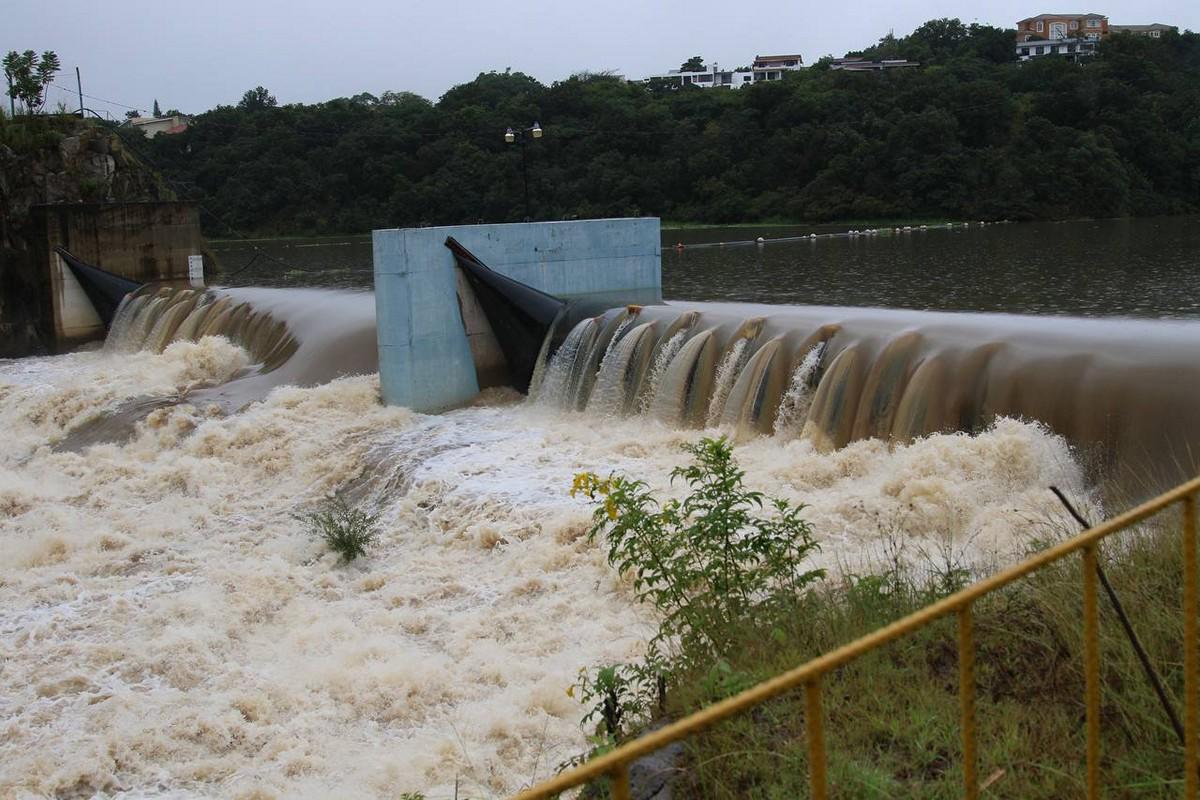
169, 625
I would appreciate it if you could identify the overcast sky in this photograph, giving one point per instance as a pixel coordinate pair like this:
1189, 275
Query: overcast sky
202, 53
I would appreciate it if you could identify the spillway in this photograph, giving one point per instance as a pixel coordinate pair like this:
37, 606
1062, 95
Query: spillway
1121, 391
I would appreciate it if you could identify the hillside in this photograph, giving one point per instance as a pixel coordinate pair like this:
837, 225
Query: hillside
968, 135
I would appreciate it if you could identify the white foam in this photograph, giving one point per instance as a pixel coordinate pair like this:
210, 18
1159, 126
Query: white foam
168, 628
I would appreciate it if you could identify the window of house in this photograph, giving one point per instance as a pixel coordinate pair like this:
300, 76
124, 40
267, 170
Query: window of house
1041, 26
1154, 34
1093, 23
1074, 24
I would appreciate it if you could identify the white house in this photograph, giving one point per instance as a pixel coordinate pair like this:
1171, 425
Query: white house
1069, 48
1154, 30
153, 126
765, 68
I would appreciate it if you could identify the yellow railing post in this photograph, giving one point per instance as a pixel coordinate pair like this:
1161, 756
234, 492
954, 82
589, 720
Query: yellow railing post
1091, 659
966, 698
815, 722
1191, 655
620, 782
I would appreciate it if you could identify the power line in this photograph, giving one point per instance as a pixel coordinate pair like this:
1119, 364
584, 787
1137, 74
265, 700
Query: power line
73, 92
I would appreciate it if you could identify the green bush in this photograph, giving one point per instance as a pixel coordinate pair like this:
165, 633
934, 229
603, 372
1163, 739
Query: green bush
347, 531
709, 563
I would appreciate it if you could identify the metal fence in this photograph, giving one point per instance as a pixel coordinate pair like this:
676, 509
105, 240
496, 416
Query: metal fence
615, 764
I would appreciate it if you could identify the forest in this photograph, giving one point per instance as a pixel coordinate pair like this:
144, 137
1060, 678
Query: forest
970, 134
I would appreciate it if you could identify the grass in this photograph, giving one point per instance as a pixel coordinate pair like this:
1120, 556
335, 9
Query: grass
26, 135
892, 716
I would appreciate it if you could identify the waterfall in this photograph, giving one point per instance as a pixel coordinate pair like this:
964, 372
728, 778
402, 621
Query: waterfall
614, 384
680, 379
661, 360
558, 378
793, 410
152, 318
727, 373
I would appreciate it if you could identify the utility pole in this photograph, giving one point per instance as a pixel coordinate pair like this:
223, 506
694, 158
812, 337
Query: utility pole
12, 102
79, 85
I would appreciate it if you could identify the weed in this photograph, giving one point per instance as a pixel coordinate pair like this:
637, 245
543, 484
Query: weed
347, 531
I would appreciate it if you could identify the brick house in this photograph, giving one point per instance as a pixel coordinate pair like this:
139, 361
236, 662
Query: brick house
1055, 27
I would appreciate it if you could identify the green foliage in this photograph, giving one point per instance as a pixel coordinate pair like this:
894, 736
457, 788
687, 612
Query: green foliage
968, 135
257, 99
28, 76
157, 110
29, 134
347, 531
708, 563
892, 715
693, 64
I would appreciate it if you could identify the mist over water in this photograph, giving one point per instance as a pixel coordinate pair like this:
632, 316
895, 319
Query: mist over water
169, 628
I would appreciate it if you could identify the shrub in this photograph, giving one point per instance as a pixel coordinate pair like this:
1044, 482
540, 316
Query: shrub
708, 563
347, 531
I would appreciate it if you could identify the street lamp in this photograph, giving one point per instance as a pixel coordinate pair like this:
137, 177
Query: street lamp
510, 136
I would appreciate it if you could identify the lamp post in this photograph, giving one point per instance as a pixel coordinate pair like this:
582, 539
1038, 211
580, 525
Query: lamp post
519, 135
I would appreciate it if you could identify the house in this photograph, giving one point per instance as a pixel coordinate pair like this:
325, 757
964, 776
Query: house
771, 68
152, 126
863, 65
1154, 30
765, 68
709, 78
1069, 35
1059, 27
1072, 49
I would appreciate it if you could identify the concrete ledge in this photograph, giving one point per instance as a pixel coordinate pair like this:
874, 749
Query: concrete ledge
425, 359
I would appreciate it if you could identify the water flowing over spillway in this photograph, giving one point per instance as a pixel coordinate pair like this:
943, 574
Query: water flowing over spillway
1121, 391
168, 627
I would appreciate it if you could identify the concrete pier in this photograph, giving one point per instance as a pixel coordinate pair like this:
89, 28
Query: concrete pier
435, 348
42, 306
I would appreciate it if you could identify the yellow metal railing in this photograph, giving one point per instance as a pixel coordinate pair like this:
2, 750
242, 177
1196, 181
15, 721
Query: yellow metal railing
615, 764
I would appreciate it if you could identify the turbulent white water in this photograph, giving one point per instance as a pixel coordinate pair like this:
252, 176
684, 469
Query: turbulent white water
793, 409
169, 628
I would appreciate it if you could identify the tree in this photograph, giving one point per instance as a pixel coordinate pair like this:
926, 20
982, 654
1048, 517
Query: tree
257, 98
693, 64
157, 110
28, 77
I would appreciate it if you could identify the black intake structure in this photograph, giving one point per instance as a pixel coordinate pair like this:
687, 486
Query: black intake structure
520, 315
105, 290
